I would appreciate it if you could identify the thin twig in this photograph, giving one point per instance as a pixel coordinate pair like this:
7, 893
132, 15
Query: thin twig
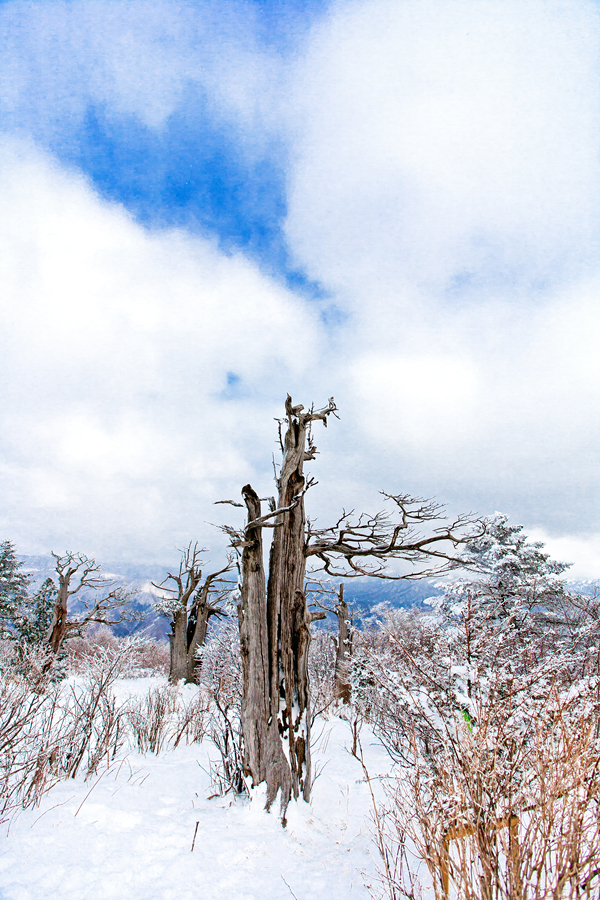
289, 888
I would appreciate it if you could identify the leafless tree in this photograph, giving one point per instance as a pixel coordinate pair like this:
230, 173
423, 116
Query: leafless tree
190, 603
273, 614
76, 573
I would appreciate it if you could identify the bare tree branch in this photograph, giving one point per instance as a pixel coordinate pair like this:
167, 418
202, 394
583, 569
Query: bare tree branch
190, 605
356, 547
76, 572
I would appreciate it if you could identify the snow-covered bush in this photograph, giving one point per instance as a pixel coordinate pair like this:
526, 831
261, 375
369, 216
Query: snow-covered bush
97, 725
146, 656
30, 742
507, 808
150, 717
490, 708
163, 718
190, 720
49, 731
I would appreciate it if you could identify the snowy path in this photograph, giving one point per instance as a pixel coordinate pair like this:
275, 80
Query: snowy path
128, 834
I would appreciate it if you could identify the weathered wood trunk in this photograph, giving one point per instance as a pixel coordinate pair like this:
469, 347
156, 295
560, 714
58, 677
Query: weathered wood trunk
343, 648
275, 625
189, 608
264, 759
58, 626
178, 641
197, 629
287, 615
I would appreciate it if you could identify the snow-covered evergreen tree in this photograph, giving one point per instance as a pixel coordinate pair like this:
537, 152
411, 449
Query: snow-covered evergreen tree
14, 589
24, 617
517, 586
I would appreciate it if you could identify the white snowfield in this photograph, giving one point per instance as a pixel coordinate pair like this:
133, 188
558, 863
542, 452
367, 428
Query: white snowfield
127, 833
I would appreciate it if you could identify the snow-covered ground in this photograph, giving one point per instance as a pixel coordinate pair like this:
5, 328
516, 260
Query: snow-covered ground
127, 833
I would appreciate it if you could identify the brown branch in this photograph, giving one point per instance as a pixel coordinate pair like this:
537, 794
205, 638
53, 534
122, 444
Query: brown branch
366, 546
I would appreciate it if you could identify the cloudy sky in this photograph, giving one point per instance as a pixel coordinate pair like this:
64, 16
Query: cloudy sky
205, 205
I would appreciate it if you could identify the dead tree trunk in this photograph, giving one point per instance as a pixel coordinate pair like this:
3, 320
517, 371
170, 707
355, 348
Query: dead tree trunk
274, 619
287, 615
343, 649
197, 629
188, 605
274, 625
264, 759
177, 640
77, 572
58, 626
203, 608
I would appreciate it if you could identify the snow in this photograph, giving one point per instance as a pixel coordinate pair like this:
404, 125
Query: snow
127, 833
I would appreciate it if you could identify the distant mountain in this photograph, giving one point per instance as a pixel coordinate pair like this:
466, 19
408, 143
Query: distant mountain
134, 578
362, 594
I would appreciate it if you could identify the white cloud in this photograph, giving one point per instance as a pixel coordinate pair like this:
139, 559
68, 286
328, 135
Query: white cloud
143, 58
441, 143
444, 184
118, 422
583, 552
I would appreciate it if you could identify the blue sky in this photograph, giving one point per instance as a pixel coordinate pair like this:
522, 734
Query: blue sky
205, 205
189, 168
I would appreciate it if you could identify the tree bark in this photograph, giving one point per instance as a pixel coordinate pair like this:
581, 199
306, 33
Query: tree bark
189, 610
343, 649
197, 629
198, 619
287, 615
59, 624
178, 641
275, 626
264, 759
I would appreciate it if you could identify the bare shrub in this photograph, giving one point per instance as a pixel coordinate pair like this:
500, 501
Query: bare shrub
190, 720
509, 809
48, 732
146, 656
227, 772
221, 678
322, 670
82, 650
31, 728
37, 664
7, 653
152, 657
98, 727
495, 734
150, 718
51, 730
30, 743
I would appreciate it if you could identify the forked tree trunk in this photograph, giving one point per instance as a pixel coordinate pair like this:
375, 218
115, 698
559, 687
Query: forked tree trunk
197, 629
58, 628
264, 759
275, 628
189, 608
